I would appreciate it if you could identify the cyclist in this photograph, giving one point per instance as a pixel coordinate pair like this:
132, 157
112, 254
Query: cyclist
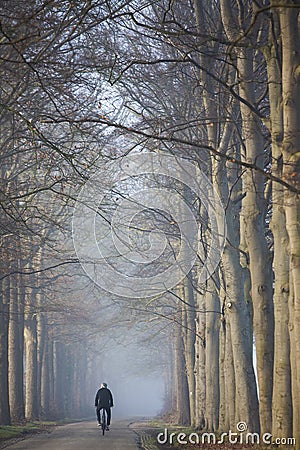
104, 400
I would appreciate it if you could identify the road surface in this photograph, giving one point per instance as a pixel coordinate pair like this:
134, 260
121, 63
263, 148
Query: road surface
82, 436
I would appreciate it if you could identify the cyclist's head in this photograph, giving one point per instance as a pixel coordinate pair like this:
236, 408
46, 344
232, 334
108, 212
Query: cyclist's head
104, 385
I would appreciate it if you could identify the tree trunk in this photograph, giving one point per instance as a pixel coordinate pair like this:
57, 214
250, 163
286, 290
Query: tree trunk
16, 349
254, 208
189, 332
230, 383
58, 372
290, 34
244, 401
45, 410
71, 374
51, 375
41, 349
200, 373
4, 315
212, 357
169, 403
30, 333
237, 316
293, 340
282, 396
223, 416
253, 211
182, 390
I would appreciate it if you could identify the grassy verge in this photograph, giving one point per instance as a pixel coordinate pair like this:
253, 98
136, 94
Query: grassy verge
21, 430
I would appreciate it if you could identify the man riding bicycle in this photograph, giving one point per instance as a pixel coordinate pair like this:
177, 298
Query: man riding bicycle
104, 400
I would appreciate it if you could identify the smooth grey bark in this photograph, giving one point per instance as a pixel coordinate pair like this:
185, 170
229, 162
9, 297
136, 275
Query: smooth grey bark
45, 409
182, 389
223, 416
58, 379
16, 348
33, 304
80, 382
290, 35
212, 388
189, 332
200, 363
237, 318
51, 366
212, 357
282, 395
4, 315
31, 378
71, 370
293, 339
169, 403
41, 360
254, 209
230, 381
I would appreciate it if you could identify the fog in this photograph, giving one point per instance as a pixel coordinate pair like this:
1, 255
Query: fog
138, 397
132, 365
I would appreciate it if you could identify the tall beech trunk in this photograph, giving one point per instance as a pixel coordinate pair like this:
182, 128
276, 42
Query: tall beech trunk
45, 408
212, 357
33, 303
41, 360
239, 340
212, 322
182, 389
80, 380
293, 340
200, 358
76, 385
230, 381
223, 416
254, 209
58, 379
169, 403
244, 400
4, 315
290, 34
282, 395
243, 392
189, 332
41, 336
71, 375
51, 364
30, 333
16, 348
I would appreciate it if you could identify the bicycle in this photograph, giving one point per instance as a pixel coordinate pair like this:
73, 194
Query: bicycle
103, 421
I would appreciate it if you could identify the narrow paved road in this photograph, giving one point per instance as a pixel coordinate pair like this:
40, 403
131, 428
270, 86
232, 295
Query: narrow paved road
82, 436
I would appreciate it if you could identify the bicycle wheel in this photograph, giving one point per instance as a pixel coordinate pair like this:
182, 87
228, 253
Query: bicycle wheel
103, 421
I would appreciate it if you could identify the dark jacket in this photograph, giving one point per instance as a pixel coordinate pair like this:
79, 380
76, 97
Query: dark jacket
104, 398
